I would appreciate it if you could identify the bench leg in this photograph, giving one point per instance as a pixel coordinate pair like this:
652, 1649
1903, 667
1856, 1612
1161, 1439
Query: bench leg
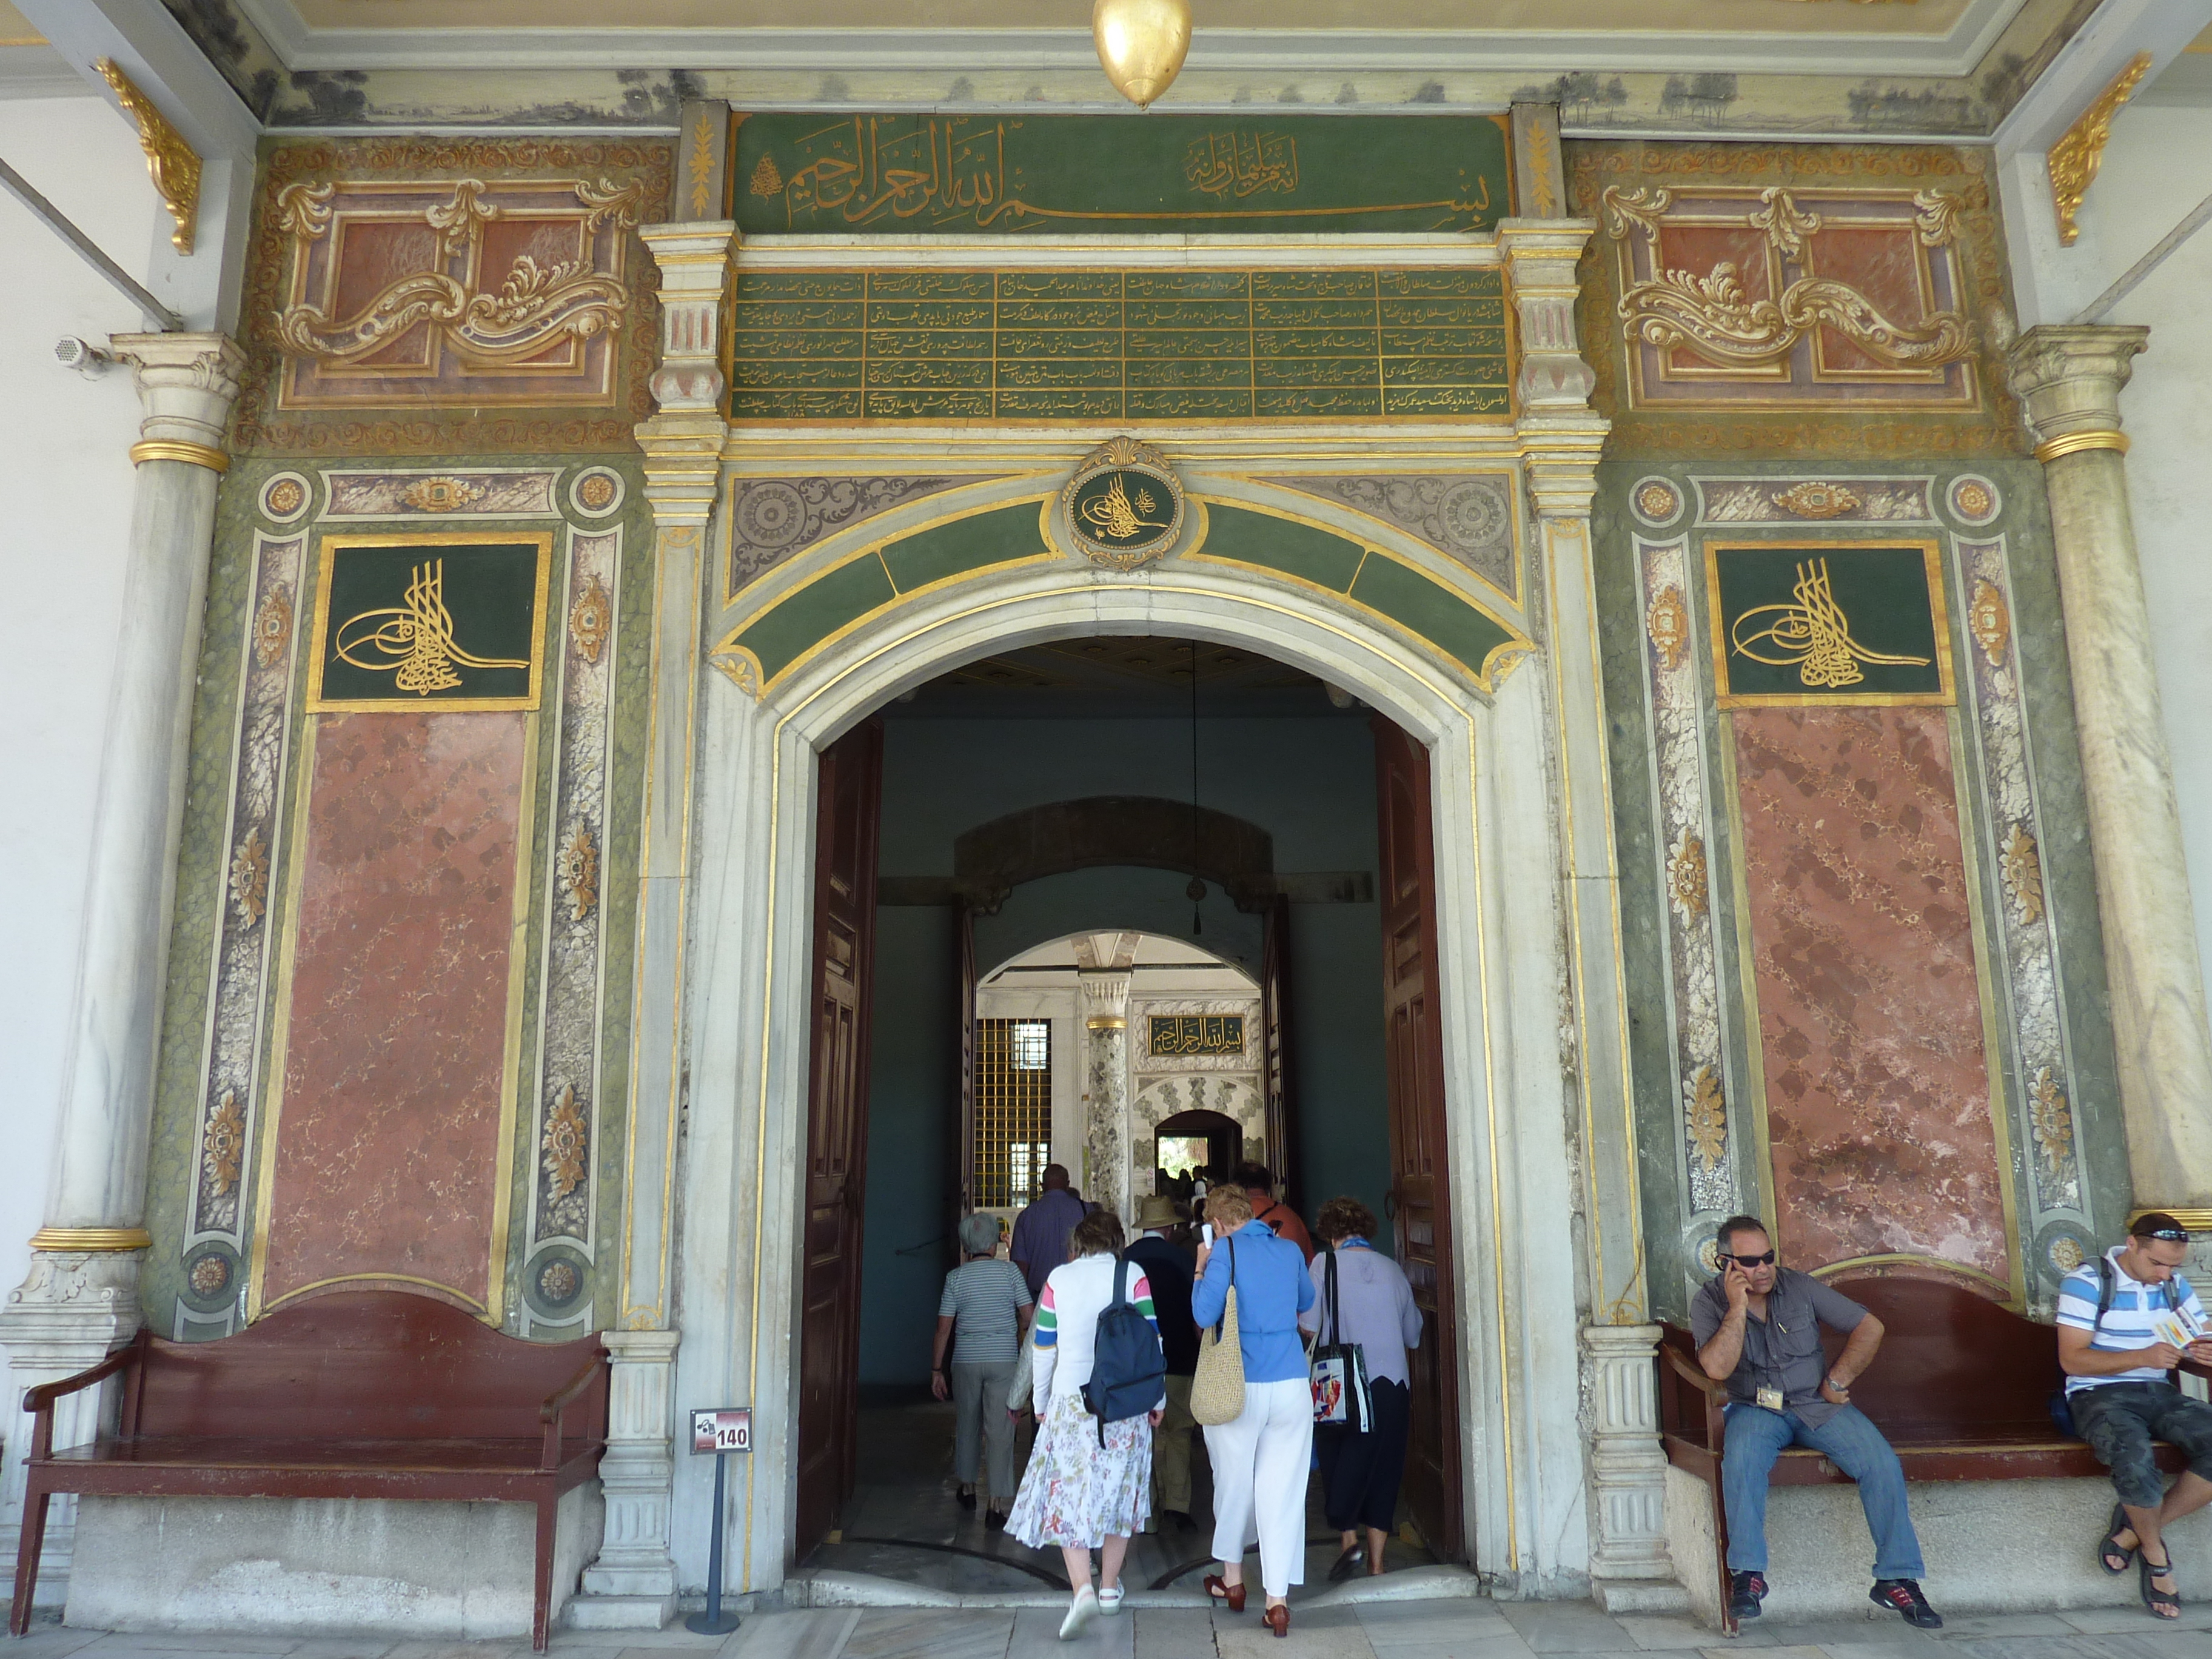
548, 1510
27, 1547
1720, 1552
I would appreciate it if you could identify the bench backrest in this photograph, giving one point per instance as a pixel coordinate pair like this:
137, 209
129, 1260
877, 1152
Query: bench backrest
366, 1365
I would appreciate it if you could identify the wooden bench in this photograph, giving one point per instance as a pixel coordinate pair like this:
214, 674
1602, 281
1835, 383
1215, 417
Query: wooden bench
370, 1393
1960, 1388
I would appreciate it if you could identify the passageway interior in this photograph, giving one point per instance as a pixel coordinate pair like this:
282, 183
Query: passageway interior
1062, 798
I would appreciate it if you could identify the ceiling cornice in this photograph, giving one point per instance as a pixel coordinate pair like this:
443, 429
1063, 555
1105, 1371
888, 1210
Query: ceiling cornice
1955, 54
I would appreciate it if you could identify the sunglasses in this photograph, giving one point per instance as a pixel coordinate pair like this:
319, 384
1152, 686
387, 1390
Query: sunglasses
2166, 1235
1765, 1260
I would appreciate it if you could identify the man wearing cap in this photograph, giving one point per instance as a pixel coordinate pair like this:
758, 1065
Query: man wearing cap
1168, 1270
2125, 1320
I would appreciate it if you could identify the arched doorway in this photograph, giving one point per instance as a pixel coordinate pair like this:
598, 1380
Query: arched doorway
1495, 856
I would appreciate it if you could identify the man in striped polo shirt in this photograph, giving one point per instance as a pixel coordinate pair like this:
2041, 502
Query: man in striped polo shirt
2125, 1322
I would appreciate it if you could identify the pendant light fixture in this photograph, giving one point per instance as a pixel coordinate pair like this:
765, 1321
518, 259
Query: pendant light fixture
1141, 44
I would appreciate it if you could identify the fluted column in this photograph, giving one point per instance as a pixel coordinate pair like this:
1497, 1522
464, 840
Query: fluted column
632, 1584
80, 1298
2069, 380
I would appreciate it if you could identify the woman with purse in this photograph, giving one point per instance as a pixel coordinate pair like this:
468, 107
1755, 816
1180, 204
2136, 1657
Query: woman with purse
1249, 1278
1362, 1300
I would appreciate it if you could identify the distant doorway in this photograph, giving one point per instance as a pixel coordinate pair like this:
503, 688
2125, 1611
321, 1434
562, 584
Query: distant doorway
1191, 1147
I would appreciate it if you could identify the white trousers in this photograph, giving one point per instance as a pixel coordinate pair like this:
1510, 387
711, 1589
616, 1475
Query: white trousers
1261, 1461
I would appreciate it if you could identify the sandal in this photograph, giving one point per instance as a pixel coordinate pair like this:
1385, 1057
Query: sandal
2110, 1555
2163, 1604
1220, 1590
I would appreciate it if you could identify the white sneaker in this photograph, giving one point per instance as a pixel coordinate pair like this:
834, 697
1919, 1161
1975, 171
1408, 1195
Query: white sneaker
1109, 1601
1080, 1613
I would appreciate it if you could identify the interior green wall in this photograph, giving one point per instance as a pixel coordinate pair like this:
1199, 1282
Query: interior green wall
1308, 780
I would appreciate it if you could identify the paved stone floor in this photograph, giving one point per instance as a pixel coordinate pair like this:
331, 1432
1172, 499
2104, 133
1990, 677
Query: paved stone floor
1461, 1629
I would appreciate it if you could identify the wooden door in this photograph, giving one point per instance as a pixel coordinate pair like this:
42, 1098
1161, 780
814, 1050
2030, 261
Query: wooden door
1275, 1039
845, 835
1420, 1198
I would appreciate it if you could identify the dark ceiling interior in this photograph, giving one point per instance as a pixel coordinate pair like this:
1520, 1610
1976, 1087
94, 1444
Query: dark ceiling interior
1131, 676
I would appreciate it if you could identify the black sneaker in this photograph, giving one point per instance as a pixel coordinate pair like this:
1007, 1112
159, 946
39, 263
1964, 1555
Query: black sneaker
1903, 1597
1746, 1591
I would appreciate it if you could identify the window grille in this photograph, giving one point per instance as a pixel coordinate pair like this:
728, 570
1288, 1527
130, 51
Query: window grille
1012, 1134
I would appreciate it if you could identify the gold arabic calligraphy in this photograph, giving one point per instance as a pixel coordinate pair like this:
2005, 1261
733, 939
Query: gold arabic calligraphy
1814, 636
1241, 164
1198, 1034
1116, 516
413, 641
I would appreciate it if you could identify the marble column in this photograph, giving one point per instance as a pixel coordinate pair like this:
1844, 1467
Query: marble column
81, 1297
1631, 1570
2069, 381
632, 1584
1106, 1089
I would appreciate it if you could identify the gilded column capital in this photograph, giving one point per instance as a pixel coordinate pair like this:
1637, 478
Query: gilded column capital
187, 384
2068, 379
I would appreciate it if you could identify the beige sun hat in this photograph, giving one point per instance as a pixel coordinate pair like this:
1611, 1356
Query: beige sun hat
1157, 1210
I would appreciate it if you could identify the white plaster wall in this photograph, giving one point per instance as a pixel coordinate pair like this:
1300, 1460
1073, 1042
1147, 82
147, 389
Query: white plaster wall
66, 483
2157, 168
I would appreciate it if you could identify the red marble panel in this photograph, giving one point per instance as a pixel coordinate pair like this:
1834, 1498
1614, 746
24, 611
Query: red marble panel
387, 1145
1870, 1010
1884, 263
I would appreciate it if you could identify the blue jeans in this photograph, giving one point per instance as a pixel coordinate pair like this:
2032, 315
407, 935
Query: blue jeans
1757, 1437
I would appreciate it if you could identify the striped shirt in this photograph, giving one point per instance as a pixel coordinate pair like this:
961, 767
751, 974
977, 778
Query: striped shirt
984, 1300
1067, 1327
2129, 1322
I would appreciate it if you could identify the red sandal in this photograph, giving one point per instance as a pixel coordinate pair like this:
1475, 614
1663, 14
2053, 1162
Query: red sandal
1221, 1590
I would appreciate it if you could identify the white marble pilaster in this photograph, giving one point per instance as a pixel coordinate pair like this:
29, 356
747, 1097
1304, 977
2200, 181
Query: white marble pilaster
2069, 380
633, 1584
81, 1297
1106, 1090
1631, 1570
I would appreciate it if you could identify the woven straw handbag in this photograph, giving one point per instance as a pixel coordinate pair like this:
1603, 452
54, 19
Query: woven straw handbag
1217, 1389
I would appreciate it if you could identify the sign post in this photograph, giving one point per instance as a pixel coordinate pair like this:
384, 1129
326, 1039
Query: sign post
721, 1431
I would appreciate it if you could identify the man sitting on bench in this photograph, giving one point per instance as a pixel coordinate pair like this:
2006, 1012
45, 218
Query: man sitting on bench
2115, 1318
1758, 1329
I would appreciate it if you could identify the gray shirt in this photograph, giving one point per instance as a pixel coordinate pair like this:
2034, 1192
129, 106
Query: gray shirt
1782, 1351
984, 1299
1377, 1312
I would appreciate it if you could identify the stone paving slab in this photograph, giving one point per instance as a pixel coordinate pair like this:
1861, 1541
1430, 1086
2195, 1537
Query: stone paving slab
1463, 1628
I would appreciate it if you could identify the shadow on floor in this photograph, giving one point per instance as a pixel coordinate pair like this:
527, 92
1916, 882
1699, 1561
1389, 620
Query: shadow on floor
904, 1523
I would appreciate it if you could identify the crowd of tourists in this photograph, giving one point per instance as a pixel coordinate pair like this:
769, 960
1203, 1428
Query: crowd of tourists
1223, 1317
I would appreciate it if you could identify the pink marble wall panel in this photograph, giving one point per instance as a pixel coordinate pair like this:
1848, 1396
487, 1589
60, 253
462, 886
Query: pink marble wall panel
1870, 1011
387, 1146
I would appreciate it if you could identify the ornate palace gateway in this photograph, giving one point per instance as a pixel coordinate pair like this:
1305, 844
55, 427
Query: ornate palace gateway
722, 665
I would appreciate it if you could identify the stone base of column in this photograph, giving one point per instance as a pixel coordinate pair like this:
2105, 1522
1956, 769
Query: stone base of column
632, 1585
1630, 1571
70, 1313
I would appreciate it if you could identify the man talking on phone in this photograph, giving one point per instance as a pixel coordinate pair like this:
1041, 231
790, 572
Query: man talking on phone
1757, 1329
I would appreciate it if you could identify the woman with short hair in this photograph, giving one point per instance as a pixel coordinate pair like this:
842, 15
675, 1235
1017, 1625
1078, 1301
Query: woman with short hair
984, 1313
1373, 1311
1261, 1457
1088, 1486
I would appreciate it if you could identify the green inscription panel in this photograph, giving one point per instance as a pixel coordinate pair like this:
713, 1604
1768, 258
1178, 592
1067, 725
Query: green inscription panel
1118, 345
1827, 623
1061, 174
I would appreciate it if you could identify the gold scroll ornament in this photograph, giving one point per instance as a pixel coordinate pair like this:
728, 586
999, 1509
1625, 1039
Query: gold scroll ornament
2075, 159
414, 643
1814, 636
535, 307
170, 161
1712, 316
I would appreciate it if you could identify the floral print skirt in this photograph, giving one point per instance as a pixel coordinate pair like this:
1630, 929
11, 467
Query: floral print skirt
1075, 1492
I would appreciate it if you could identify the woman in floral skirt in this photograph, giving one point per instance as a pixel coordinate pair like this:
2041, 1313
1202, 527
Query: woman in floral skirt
1075, 1492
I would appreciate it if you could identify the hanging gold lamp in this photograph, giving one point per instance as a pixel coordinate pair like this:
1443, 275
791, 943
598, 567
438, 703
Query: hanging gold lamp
1141, 44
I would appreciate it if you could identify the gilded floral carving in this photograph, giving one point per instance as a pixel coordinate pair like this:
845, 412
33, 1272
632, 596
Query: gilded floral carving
1809, 500
2053, 1117
170, 161
1990, 620
566, 1141
272, 628
1686, 879
1667, 619
590, 619
2023, 873
442, 495
578, 868
222, 1148
2080, 152
249, 877
1708, 1119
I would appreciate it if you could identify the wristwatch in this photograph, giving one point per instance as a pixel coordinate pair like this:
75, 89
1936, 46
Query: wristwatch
1837, 1383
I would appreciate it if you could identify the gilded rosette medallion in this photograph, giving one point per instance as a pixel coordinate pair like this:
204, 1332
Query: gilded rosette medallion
1124, 506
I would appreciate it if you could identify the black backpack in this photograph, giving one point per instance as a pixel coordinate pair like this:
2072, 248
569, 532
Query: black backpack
1128, 1370
2062, 1408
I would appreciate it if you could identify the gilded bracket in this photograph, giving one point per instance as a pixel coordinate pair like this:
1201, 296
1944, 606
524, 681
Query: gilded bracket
2075, 159
170, 161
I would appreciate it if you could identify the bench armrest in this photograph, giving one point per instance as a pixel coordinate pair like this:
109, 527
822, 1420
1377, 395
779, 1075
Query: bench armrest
40, 1400
2194, 1368
1711, 1393
550, 1413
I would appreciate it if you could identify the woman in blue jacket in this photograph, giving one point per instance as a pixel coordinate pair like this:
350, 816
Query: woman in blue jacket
1262, 1458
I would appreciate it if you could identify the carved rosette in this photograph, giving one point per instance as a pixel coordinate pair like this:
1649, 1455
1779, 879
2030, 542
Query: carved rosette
2041, 1084
230, 1059
1709, 1163
562, 1226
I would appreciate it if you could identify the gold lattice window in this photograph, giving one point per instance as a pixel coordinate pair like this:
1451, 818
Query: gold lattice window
1013, 1110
